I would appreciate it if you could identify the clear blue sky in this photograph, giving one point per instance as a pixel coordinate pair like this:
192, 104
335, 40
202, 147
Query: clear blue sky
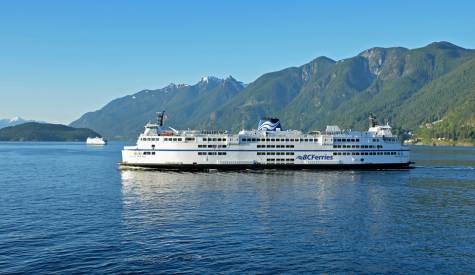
59, 59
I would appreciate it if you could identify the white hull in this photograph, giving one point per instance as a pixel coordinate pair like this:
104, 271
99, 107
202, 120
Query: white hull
230, 150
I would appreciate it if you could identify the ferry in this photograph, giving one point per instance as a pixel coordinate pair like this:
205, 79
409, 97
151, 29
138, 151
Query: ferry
268, 146
96, 141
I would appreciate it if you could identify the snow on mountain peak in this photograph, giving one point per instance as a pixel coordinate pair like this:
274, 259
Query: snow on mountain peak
17, 118
207, 79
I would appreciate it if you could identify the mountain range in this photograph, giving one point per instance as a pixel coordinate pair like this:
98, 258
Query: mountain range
13, 121
428, 90
34, 131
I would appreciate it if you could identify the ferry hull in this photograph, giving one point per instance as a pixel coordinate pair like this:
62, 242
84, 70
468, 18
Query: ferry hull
225, 167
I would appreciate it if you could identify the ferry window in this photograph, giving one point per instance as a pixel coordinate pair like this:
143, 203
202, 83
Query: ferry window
334, 146
253, 139
219, 139
204, 139
180, 139
153, 153
316, 140
224, 139
286, 139
353, 146
189, 139
306, 140
272, 139
291, 146
215, 139
223, 146
174, 139
357, 140
352, 140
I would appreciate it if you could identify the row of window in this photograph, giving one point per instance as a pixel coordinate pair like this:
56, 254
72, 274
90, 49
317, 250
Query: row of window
211, 153
214, 139
390, 139
211, 146
366, 153
357, 146
168, 139
279, 139
275, 146
346, 140
352, 140
286, 160
275, 153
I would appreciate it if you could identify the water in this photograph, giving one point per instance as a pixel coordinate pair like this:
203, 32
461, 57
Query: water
66, 207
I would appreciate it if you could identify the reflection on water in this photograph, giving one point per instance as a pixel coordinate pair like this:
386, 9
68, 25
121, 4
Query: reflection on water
315, 220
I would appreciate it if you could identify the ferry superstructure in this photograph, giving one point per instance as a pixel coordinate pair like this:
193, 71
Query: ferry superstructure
266, 147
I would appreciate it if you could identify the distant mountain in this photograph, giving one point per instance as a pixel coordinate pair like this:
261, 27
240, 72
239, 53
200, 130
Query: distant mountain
411, 88
13, 121
33, 131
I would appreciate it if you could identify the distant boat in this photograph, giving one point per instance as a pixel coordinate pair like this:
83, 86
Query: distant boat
96, 141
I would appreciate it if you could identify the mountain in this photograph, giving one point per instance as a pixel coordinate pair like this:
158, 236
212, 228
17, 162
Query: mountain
13, 121
34, 131
186, 105
412, 88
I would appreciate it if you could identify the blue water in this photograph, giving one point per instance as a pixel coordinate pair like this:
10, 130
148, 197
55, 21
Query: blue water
66, 207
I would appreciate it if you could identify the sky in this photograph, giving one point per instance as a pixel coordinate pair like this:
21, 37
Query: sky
60, 59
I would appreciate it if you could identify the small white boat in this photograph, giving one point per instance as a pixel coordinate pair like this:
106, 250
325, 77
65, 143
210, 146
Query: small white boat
96, 141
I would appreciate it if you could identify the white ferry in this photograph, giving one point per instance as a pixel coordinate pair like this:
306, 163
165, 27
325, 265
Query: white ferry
96, 141
269, 146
